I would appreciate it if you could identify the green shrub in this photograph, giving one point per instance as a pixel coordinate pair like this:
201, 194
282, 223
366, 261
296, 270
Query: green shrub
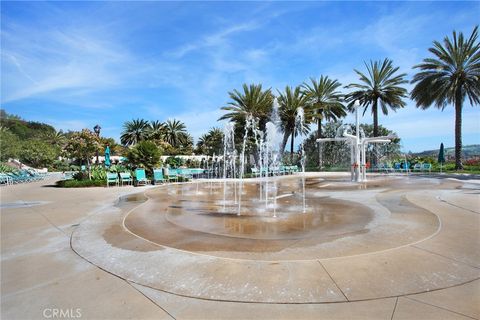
98, 173
81, 183
6, 168
174, 162
144, 154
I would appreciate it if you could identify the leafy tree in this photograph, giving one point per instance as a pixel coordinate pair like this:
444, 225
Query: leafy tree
134, 131
82, 146
38, 154
289, 102
324, 101
144, 154
337, 153
380, 88
10, 145
450, 77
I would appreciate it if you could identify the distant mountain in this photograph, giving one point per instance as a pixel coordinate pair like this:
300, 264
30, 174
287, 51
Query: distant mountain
469, 151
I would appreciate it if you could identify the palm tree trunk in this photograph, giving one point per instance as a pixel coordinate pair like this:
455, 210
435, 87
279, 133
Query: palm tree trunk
375, 131
291, 144
319, 145
458, 129
284, 142
319, 129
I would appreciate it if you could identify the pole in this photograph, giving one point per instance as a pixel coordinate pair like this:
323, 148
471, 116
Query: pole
357, 142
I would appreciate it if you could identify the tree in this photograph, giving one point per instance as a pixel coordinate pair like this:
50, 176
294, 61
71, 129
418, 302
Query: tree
175, 133
381, 88
211, 143
55, 138
144, 154
289, 102
38, 154
324, 101
82, 146
156, 131
10, 146
448, 78
253, 101
134, 131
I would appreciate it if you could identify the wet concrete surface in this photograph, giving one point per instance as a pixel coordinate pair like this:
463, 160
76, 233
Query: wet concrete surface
337, 220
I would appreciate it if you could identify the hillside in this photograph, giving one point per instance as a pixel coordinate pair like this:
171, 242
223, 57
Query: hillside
468, 151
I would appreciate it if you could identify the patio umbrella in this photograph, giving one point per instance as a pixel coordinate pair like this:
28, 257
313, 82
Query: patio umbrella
107, 156
441, 156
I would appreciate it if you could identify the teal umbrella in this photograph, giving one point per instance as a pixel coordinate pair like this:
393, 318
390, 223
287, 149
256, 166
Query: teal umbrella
441, 156
107, 156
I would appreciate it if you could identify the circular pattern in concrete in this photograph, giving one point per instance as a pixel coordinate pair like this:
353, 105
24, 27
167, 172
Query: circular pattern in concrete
389, 237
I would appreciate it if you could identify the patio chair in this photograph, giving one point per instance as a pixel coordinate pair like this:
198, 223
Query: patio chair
427, 167
5, 179
172, 175
141, 177
397, 166
112, 178
158, 176
126, 177
185, 173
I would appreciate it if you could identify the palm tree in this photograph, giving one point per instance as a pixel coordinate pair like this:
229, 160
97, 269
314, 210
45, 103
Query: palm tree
253, 101
211, 142
324, 101
156, 130
289, 102
381, 87
175, 133
134, 131
451, 76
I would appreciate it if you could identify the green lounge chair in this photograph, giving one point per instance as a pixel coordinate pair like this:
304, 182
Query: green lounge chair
112, 178
141, 177
158, 176
427, 167
185, 173
126, 177
172, 175
417, 166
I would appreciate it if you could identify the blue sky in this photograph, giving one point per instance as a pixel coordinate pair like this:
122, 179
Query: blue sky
76, 64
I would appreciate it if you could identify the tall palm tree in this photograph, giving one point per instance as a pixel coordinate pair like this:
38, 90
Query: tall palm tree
380, 88
253, 101
175, 133
211, 142
324, 101
134, 131
156, 130
449, 77
289, 102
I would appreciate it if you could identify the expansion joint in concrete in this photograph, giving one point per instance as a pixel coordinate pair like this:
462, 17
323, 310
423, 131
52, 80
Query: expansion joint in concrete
331, 278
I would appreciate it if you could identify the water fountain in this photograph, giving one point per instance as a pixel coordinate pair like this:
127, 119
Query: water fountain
300, 124
358, 145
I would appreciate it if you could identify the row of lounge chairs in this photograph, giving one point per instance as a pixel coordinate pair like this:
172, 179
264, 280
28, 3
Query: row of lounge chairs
140, 178
281, 170
404, 167
20, 176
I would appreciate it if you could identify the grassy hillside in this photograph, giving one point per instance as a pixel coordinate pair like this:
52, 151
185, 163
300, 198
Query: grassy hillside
468, 151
